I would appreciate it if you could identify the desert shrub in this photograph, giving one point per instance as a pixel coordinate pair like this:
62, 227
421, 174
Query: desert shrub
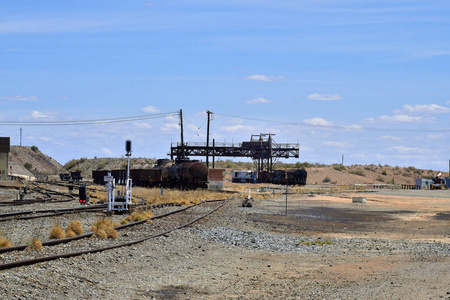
384, 172
101, 165
72, 163
103, 229
391, 181
339, 167
34, 148
28, 166
326, 180
35, 245
74, 227
137, 216
379, 178
4, 243
357, 172
57, 233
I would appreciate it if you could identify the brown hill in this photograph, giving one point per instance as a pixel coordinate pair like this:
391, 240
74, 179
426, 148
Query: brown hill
24, 160
338, 174
87, 165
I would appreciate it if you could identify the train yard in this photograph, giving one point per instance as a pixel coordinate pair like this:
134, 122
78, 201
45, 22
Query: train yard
326, 247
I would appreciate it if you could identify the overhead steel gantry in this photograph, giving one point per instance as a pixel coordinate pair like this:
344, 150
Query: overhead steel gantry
261, 148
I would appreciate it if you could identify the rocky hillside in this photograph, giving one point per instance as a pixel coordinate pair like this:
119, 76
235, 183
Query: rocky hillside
24, 160
86, 166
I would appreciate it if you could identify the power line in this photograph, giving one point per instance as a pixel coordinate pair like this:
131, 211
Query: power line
87, 122
347, 128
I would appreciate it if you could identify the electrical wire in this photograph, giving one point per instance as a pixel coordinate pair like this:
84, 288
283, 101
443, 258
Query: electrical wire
87, 122
347, 128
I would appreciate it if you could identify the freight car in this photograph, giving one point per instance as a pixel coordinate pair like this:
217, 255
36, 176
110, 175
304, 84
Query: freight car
296, 177
75, 176
181, 174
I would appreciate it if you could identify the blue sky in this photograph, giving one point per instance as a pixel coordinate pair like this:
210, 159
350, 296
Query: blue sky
365, 79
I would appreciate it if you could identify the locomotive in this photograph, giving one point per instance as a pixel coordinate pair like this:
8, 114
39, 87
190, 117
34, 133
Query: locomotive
290, 177
182, 174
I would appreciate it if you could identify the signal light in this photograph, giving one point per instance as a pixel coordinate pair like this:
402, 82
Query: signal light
82, 194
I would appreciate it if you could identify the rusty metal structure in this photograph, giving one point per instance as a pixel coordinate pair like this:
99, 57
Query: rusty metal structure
262, 149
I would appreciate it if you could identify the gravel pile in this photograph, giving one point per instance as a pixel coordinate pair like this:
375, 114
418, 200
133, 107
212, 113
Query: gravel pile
308, 244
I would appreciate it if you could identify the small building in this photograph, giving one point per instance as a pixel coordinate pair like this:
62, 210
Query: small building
4, 151
216, 179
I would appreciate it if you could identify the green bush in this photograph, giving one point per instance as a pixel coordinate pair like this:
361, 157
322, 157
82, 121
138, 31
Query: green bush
28, 166
326, 180
357, 172
339, 167
34, 148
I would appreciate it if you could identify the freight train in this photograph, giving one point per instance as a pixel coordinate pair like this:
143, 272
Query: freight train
182, 174
290, 177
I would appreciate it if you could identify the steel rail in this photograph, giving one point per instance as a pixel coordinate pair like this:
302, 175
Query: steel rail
89, 234
73, 254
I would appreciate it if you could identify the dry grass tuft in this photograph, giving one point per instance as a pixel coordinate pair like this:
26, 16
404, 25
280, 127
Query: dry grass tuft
100, 234
36, 245
137, 216
75, 227
4, 243
70, 233
57, 233
103, 229
153, 195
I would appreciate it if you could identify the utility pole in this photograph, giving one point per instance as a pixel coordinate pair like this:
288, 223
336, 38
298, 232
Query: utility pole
207, 139
182, 140
20, 136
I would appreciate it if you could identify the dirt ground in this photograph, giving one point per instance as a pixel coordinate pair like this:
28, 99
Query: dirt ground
394, 246
354, 272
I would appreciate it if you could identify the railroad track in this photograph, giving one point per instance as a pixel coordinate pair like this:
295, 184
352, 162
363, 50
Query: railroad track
46, 213
132, 238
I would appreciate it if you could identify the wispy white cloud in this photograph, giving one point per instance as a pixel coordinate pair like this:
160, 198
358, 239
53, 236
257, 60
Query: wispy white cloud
20, 98
317, 122
50, 140
403, 149
424, 109
237, 127
264, 78
38, 115
142, 125
390, 137
435, 136
150, 109
257, 101
107, 151
338, 145
324, 97
168, 127
401, 119
354, 127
